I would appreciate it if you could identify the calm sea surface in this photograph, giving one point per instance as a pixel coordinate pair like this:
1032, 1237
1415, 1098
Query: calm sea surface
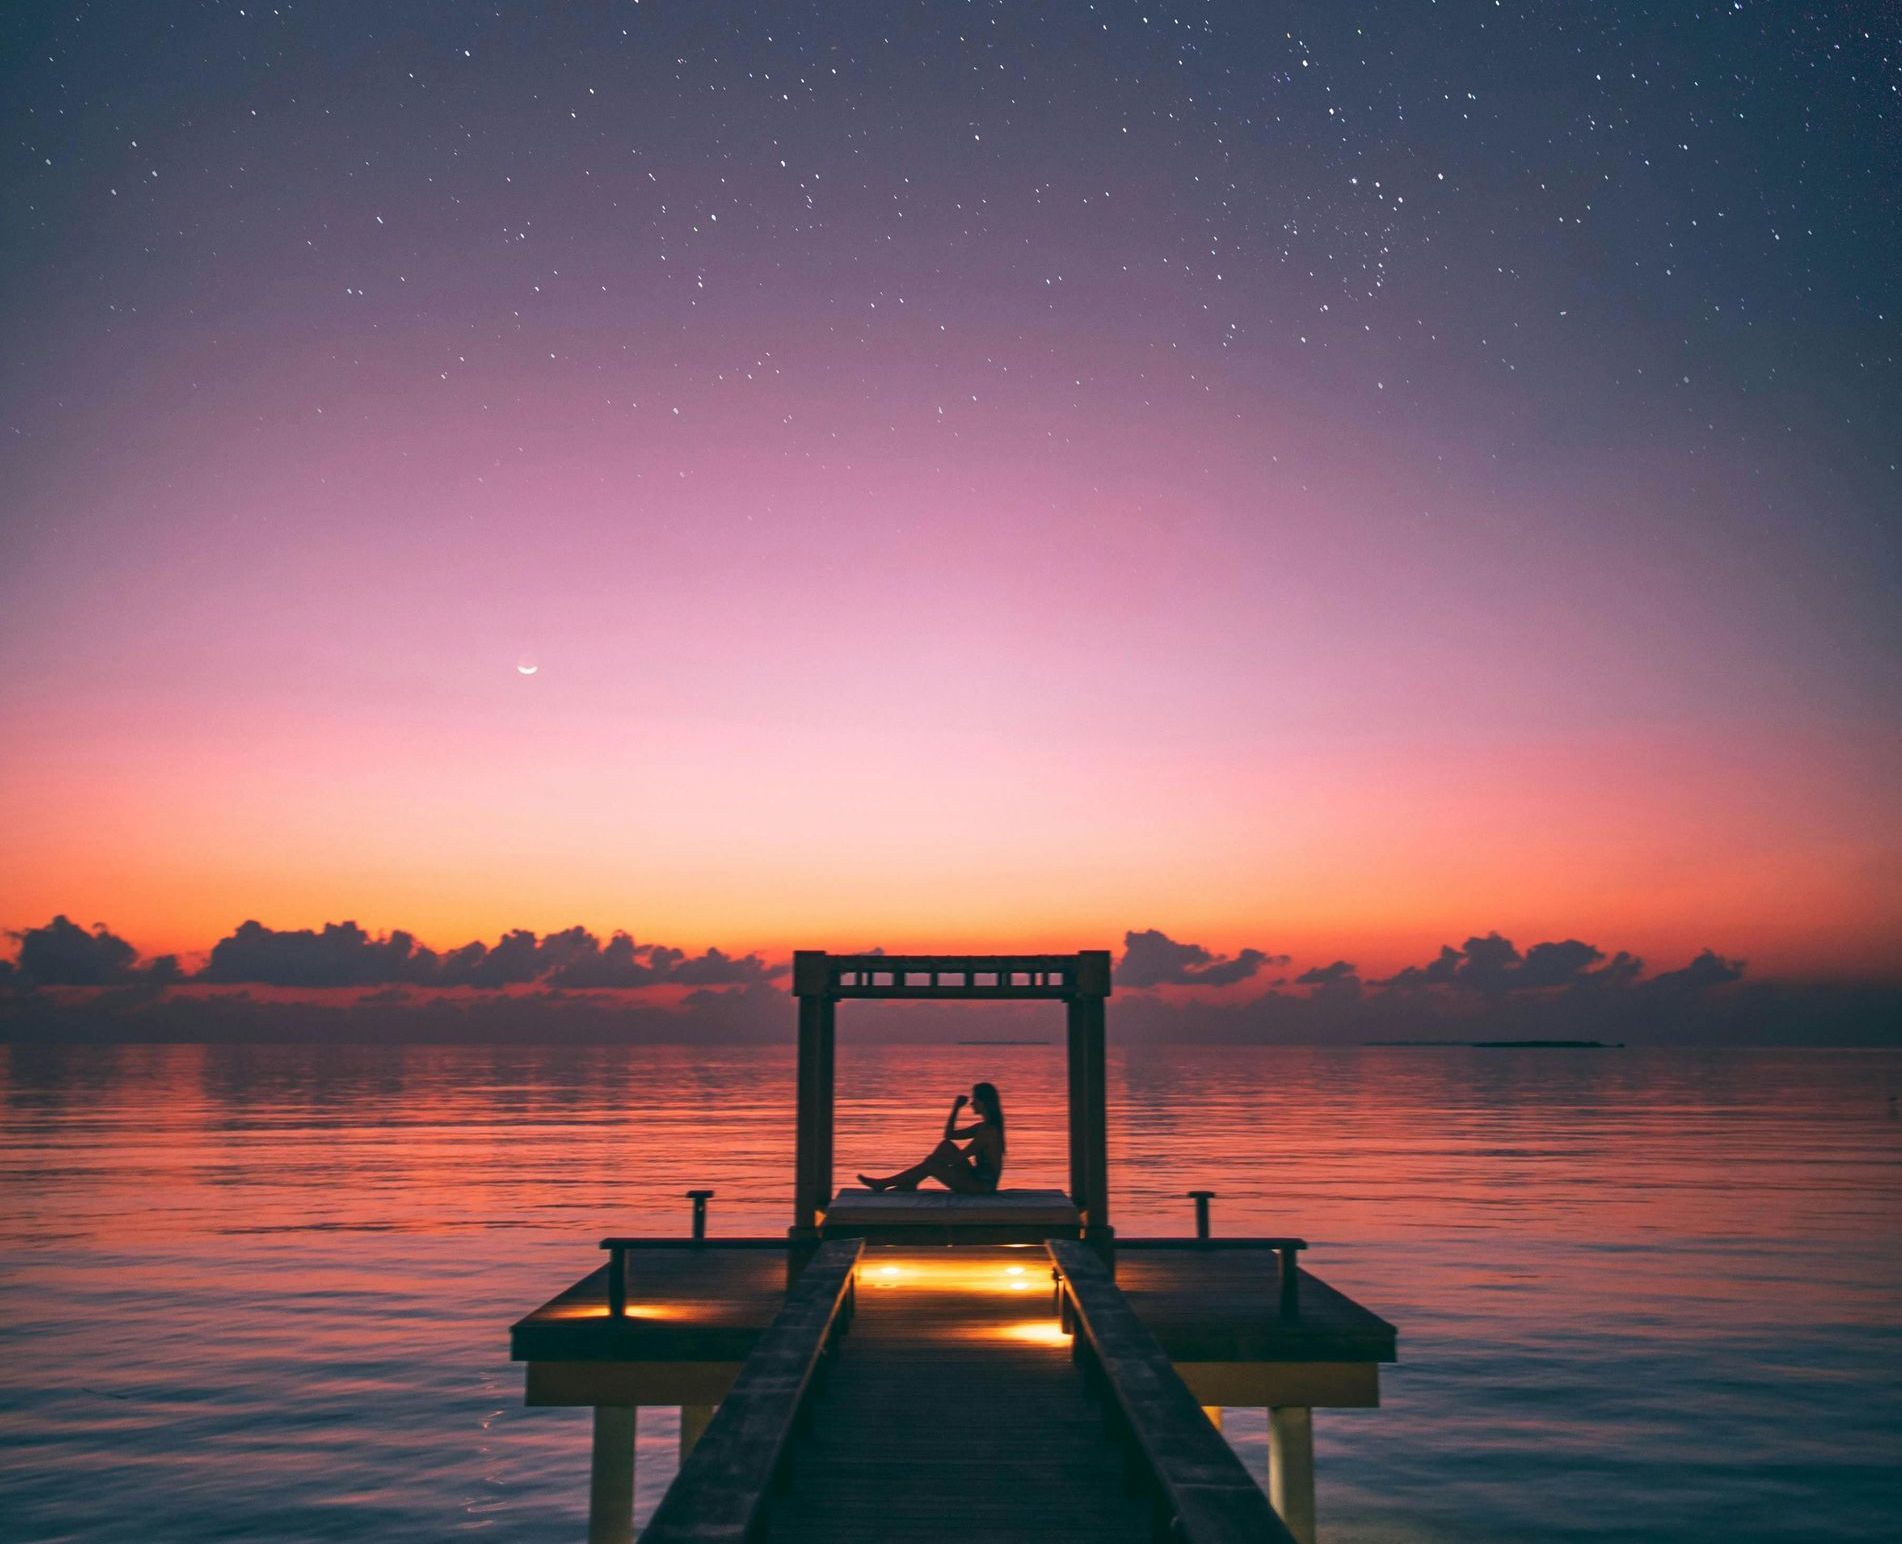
263, 1292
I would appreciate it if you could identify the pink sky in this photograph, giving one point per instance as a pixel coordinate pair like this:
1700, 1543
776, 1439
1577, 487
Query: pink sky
959, 486
914, 681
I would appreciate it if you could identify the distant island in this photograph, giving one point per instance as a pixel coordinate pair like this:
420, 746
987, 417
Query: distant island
1516, 1045
1007, 1042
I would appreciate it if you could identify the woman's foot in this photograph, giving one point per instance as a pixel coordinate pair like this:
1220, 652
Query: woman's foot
873, 1184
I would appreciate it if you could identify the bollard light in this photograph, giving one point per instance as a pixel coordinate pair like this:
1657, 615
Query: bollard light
1201, 1199
699, 1199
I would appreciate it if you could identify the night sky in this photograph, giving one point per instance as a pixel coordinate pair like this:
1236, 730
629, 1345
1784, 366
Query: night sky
1327, 478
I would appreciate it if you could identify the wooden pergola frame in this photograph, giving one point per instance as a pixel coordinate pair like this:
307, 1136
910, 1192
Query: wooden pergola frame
1080, 981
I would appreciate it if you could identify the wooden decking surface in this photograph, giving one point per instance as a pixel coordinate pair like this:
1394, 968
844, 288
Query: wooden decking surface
1223, 1305
685, 1304
953, 1411
711, 1303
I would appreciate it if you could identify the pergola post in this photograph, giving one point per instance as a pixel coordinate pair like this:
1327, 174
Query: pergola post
1089, 1116
822, 1149
1077, 1055
1089, 1097
812, 1140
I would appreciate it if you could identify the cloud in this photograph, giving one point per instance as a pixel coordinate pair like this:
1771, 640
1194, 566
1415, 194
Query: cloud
715, 968
1492, 964
1339, 980
342, 954
1485, 990
1152, 958
1708, 970
350, 983
65, 954
1493, 967
623, 963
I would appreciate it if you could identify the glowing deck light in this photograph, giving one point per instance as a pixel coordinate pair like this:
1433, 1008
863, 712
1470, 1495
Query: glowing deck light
1035, 1332
634, 1311
947, 1271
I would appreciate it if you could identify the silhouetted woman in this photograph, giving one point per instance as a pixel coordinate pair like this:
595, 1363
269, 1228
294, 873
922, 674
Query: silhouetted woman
970, 1170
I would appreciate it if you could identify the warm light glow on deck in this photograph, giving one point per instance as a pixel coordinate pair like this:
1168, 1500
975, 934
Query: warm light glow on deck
930, 1273
1033, 1332
634, 1311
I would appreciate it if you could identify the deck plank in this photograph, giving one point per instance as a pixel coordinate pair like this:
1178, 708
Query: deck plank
953, 1413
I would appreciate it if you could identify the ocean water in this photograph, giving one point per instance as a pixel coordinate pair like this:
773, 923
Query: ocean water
263, 1292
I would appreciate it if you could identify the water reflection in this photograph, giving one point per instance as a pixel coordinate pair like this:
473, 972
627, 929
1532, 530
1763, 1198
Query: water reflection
263, 1288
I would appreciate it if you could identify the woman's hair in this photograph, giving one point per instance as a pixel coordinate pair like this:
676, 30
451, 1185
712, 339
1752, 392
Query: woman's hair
984, 1096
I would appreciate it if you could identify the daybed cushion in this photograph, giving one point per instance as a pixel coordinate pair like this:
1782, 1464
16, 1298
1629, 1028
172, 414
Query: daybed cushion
944, 1208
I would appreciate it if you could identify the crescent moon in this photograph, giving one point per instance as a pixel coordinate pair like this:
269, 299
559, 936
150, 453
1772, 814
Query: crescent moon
528, 669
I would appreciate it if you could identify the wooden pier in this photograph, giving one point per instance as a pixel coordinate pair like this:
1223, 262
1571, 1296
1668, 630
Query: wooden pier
935, 1366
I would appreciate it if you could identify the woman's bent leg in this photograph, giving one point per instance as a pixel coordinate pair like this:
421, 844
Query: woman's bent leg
907, 1179
953, 1170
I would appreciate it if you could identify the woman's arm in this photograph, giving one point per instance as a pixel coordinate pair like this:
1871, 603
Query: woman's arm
951, 1121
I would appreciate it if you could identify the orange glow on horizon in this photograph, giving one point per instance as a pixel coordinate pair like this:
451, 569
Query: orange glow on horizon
508, 803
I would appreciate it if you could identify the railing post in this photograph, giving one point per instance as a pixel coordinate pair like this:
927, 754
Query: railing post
1201, 1199
617, 1282
1290, 1281
699, 1199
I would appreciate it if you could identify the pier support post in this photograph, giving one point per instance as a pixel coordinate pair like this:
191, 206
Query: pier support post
693, 1421
1291, 1468
611, 1478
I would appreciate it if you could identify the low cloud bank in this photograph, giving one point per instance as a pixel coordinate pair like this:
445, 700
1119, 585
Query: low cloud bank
69, 982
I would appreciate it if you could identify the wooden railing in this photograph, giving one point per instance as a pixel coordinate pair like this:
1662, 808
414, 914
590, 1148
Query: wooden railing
1201, 1492
726, 1482
619, 1248
1287, 1252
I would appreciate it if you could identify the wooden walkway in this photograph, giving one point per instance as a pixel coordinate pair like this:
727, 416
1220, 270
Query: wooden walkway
953, 1411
